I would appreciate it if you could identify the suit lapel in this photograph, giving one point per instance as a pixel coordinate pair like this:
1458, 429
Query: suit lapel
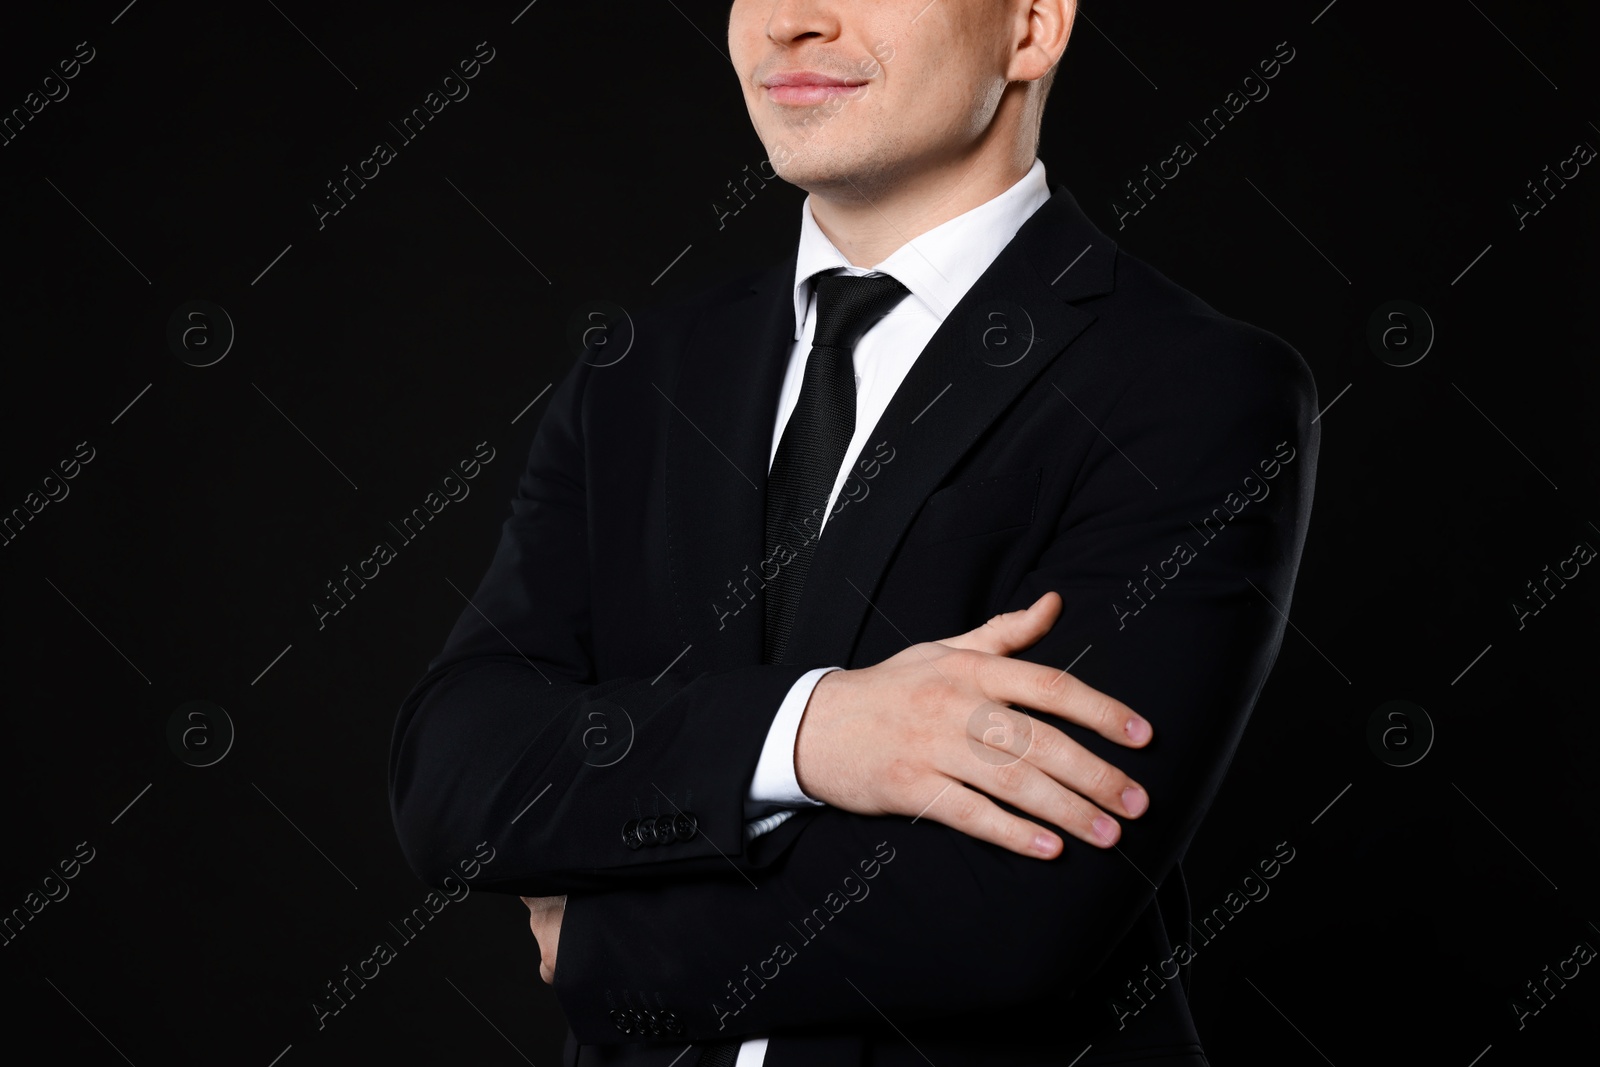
719, 434
1013, 324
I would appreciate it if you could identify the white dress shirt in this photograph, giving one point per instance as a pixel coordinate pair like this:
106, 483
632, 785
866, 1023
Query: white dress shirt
938, 268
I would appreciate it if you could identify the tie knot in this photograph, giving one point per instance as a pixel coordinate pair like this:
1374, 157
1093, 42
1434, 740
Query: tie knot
848, 305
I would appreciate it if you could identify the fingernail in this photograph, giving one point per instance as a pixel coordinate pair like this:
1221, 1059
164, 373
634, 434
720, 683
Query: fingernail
1105, 829
1138, 729
1044, 844
1134, 800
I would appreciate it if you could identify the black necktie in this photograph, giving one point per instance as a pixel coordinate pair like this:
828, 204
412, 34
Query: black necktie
807, 464
815, 439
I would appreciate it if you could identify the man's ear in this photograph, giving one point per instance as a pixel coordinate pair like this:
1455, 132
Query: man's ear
1049, 25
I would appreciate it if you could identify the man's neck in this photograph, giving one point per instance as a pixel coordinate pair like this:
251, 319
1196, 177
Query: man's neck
868, 222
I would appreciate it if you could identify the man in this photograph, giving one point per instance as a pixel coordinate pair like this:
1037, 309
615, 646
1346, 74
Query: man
784, 700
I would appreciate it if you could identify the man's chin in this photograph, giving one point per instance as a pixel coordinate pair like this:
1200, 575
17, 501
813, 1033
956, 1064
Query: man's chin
818, 176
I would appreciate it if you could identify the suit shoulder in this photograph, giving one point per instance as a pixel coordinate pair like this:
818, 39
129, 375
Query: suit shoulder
656, 333
1170, 332
716, 292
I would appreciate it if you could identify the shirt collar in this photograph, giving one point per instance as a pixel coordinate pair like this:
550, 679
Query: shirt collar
937, 267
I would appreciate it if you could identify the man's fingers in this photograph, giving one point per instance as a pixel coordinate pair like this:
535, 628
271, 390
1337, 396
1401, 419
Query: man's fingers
975, 815
1026, 787
1043, 688
1011, 631
1033, 765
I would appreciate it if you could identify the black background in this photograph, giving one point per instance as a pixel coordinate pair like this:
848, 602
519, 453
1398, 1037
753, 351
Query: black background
377, 351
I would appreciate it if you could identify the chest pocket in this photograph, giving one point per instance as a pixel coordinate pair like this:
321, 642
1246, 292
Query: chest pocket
969, 509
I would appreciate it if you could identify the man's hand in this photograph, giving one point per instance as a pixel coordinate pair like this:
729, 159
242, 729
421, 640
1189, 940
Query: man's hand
544, 919
922, 732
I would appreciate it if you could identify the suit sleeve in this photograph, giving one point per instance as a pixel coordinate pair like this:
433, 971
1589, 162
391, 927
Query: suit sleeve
510, 738
863, 918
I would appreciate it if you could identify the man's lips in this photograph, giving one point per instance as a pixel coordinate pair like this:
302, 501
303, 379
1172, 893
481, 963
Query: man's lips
804, 87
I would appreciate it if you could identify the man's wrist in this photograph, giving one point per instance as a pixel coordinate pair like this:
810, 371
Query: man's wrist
807, 783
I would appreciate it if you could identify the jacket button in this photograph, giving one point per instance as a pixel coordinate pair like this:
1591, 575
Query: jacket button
671, 1023
620, 1019
684, 825
647, 830
630, 837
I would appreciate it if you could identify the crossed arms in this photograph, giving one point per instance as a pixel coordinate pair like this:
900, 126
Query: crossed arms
489, 745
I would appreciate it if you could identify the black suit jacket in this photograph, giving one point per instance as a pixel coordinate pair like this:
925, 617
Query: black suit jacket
1078, 423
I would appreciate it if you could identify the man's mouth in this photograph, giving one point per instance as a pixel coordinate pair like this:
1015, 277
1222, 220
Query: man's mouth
807, 87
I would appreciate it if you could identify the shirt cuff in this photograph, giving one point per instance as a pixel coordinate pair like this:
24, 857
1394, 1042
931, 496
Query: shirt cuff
752, 1052
775, 784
